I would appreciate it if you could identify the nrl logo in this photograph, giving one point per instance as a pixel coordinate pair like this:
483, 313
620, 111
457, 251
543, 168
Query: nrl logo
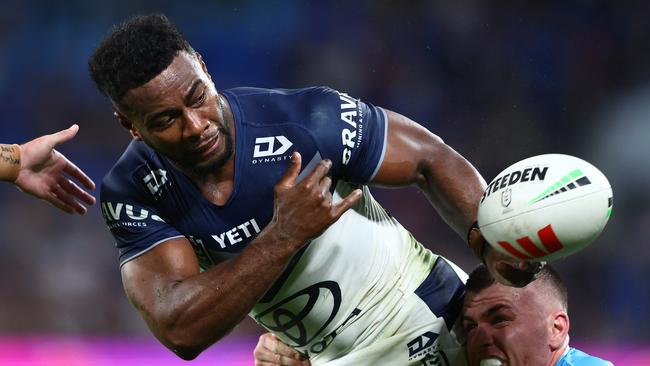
506, 197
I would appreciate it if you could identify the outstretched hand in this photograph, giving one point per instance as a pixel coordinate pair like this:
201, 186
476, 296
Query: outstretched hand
505, 269
49, 175
302, 211
270, 351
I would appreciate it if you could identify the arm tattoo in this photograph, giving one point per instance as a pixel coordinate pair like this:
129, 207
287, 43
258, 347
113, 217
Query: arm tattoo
9, 162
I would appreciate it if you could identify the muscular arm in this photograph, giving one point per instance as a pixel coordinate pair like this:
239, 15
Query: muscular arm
414, 155
188, 310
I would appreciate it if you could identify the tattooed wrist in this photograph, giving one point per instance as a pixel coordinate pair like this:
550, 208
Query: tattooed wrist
9, 162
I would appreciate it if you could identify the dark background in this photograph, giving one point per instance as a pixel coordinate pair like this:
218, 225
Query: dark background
497, 80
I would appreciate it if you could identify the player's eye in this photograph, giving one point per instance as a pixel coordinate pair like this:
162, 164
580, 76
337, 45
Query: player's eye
468, 326
164, 122
200, 100
500, 320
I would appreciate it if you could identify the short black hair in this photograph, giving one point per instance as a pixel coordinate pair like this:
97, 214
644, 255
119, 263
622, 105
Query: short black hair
480, 279
135, 52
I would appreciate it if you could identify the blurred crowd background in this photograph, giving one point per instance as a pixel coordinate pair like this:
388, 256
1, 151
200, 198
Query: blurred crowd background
497, 80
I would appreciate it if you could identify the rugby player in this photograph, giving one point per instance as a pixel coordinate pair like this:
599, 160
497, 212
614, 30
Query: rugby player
254, 201
506, 325
36, 168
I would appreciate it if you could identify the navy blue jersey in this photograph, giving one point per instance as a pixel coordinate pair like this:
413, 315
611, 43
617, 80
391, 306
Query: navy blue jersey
363, 279
146, 200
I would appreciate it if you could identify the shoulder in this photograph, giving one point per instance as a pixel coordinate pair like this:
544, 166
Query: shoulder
271, 106
279, 93
575, 357
131, 173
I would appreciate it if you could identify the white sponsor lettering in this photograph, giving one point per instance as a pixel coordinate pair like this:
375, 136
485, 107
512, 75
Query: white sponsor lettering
265, 146
233, 236
237, 234
113, 212
272, 159
143, 213
349, 112
348, 137
110, 212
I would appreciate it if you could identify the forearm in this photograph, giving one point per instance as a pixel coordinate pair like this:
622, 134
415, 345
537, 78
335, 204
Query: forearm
9, 162
415, 155
453, 186
198, 311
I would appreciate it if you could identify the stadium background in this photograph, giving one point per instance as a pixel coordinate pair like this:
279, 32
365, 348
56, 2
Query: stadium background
499, 81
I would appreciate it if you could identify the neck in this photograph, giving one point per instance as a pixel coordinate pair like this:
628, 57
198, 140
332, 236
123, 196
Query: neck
558, 353
217, 186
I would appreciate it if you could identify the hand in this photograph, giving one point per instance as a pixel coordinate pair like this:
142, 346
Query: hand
303, 211
270, 351
44, 173
505, 269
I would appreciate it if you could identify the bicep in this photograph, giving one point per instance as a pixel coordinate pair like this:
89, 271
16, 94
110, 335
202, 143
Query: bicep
147, 278
409, 147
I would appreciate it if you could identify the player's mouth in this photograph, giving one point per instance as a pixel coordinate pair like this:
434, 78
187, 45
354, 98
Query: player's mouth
208, 147
491, 361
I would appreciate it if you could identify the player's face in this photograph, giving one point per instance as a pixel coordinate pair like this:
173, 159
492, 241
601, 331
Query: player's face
180, 114
509, 324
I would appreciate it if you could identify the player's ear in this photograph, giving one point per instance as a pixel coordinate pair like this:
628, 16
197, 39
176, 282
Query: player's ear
203, 67
559, 330
126, 123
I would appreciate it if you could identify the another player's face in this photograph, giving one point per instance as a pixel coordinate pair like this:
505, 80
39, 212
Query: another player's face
180, 114
510, 324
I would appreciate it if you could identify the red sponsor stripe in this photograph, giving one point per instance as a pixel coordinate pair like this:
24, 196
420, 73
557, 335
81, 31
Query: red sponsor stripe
512, 250
528, 246
549, 239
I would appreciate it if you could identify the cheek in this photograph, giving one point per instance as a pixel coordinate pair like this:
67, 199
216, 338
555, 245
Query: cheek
165, 141
523, 343
212, 110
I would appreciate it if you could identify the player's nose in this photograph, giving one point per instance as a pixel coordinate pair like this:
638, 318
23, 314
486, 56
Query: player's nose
195, 125
481, 336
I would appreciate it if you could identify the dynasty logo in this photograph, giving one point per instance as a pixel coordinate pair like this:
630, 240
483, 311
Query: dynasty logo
421, 345
271, 149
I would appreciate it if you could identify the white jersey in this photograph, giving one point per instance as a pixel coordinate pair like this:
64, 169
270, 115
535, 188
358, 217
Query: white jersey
351, 286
